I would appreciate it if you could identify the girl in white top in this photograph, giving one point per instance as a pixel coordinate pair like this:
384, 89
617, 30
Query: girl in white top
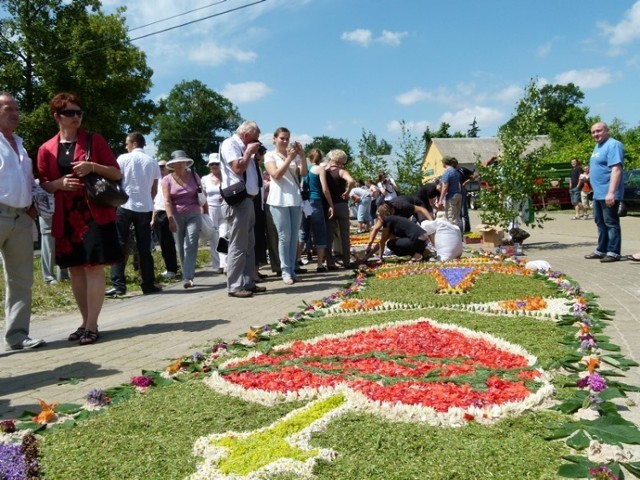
212, 184
285, 166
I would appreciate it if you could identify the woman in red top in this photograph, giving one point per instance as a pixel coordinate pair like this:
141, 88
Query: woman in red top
86, 235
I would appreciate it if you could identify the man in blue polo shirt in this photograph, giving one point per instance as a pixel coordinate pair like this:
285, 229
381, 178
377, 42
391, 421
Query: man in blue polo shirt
607, 161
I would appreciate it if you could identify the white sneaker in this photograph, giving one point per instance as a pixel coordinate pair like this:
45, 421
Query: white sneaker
189, 284
167, 274
27, 344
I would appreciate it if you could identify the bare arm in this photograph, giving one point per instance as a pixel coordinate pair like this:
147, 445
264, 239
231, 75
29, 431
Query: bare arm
423, 211
614, 183
322, 173
351, 183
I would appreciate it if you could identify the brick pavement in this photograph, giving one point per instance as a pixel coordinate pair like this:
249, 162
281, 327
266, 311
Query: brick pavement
147, 332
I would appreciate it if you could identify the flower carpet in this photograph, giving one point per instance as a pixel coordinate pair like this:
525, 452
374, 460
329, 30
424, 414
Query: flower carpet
476, 368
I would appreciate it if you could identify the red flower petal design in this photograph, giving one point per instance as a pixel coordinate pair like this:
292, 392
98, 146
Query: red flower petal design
417, 363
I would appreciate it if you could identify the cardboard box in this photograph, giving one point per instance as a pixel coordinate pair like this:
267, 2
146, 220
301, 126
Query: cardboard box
492, 236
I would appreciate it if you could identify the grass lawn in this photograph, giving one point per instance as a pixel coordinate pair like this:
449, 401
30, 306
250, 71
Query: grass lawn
333, 432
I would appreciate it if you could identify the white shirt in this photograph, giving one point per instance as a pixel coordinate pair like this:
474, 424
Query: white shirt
16, 174
214, 199
232, 149
139, 171
158, 201
285, 191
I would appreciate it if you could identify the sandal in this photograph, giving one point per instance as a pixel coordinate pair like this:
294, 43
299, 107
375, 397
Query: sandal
89, 338
77, 335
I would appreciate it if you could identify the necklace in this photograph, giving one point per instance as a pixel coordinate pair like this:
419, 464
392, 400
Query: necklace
67, 147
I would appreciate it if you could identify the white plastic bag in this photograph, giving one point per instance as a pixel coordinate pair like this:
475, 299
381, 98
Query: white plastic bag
206, 227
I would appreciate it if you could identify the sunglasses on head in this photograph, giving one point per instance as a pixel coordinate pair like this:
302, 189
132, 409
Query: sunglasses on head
70, 113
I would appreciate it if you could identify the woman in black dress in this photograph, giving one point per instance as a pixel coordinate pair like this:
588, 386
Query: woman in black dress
85, 233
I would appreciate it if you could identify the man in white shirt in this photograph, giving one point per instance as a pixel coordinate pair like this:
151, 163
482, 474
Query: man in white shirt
140, 175
160, 226
16, 227
238, 165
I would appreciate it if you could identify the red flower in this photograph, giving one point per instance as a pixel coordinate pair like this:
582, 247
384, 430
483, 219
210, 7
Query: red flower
402, 363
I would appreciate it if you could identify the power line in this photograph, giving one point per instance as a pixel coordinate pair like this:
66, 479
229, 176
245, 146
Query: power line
178, 15
198, 20
163, 30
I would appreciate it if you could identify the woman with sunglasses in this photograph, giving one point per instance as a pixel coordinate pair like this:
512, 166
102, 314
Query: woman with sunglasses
85, 234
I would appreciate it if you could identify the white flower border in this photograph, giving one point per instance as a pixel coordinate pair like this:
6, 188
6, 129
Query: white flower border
556, 308
394, 411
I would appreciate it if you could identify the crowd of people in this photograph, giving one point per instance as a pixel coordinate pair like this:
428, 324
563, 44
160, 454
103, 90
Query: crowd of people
264, 206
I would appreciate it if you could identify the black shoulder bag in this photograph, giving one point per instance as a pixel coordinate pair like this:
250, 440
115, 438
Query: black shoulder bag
100, 190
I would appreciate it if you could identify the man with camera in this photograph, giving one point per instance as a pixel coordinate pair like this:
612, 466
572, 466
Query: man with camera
240, 184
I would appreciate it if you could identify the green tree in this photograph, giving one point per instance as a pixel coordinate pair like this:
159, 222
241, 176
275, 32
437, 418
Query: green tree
474, 130
195, 119
325, 144
443, 131
512, 179
49, 46
370, 161
409, 160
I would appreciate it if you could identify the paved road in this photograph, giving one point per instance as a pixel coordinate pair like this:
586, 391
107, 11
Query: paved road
147, 332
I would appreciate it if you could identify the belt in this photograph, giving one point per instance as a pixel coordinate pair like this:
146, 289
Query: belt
251, 196
7, 210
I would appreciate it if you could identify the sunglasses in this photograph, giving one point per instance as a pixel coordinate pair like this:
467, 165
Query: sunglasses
70, 113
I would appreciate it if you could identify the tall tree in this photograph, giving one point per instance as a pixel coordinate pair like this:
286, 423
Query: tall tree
409, 160
370, 159
49, 46
195, 119
325, 144
512, 179
474, 130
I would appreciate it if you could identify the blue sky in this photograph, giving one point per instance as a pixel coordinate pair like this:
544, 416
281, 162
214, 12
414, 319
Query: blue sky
338, 67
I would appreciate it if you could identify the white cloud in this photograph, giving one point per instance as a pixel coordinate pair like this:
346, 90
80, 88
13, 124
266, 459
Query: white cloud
585, 79
395, 126
391, 38
413, 96
462, 119
544, 49
509, 94
361, 36
364, 37
303, 138
627, 30
245, 92
214, 55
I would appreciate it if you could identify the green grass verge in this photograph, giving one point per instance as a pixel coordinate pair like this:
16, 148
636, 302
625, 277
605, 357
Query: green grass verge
59, 298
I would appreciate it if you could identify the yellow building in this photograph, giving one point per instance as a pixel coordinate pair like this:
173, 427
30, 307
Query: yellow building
468, 152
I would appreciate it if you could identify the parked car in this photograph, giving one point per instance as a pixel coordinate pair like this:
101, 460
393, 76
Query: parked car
631, 198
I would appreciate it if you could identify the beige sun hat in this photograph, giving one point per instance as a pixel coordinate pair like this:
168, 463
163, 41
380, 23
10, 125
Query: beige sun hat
179, 156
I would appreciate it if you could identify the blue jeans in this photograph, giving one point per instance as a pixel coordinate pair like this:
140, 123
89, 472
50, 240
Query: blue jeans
609, 233
287, 221
186, 238
364, 210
